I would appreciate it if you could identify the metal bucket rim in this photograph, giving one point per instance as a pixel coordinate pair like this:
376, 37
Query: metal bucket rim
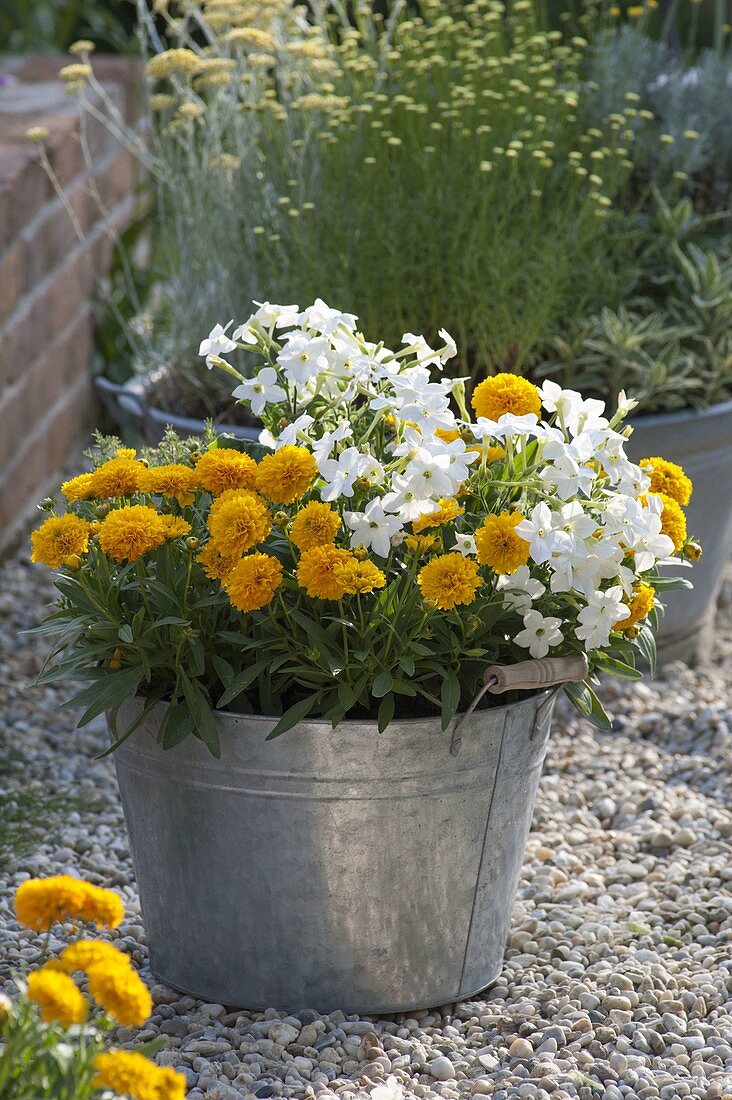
352, 722
661, 420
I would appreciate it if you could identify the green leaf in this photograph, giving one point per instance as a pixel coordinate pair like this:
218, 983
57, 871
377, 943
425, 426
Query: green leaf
177, 724
386, 712
589, 706
241, 683
125, 634
646, 642
618, 668
204, 723
292, 716
106, 693
382, 684
450, 697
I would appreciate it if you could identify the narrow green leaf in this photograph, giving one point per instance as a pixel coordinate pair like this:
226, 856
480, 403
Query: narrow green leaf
449, 696
291, 717
386, 712
382, 684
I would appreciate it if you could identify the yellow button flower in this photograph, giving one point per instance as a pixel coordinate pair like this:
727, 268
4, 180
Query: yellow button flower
286, 475
316, 572
41, 902
59, 538
253, 581
224, 468
449, 580
505, 393
128, 533
126, 1073
315, 525
239, 523
119, 990
499, 546
668, 478
57, 996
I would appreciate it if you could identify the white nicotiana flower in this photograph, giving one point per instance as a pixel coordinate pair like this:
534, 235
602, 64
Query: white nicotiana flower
507, 426
321, 318
296, 431
449, 351
402, 498
391, 1089
323, 447
540, 633
520, 589
303, 356
373, 528
261, 390
465, 545
597, 619
340, 473
538, 529
216, 343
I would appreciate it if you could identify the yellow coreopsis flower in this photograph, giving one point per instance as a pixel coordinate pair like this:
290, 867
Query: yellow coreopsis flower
41, 902
128, 533
499, 546
85, 954
171, 480
239, 523
58, 998
639, 606
359, 577
667, 478
449, 580
673, 521
253, 581
78, 488
119, 477
224, 468
126, 1073
315, 525
316, 572
286, 475
215, 564
119, 990
506, 393
59, 538
448, 511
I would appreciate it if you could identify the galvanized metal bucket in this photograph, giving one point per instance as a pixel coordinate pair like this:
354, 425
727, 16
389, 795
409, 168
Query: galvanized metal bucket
345, 868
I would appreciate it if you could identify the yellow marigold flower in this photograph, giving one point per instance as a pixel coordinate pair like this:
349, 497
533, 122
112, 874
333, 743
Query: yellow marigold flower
128, 533
224, 468
673, 521
359, 576
59, 538
78, 488
58, 998
499, 546
175, 526
668, 478
85, 954
119, 477
316, 571
215, 564
126, 452
505, 393
120, 991
253, 581
447, 435
423, 544
173, 61
172, 480
448, 511
286, 475
495, 454
639, 606
126, 1073
41, 902
315, 525
239, 523
449, 580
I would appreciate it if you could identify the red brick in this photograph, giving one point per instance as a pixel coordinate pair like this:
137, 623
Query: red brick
24, 188
12, 282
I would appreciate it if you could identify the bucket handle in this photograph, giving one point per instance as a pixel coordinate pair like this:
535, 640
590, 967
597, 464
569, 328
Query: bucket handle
531, 675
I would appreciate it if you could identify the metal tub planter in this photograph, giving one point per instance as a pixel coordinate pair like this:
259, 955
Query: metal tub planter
701, 442
333, 869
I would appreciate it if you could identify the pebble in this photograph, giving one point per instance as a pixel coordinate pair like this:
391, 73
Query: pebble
616, 982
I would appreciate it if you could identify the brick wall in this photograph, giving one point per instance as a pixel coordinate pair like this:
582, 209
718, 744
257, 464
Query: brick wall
47, 275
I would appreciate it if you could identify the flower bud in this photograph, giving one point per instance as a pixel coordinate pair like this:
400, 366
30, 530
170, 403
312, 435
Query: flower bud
692, 551
47, 504
360, 553
102, 509
192, 542
280, 519
73, 562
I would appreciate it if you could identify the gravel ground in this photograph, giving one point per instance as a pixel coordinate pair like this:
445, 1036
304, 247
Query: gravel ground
618, 974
